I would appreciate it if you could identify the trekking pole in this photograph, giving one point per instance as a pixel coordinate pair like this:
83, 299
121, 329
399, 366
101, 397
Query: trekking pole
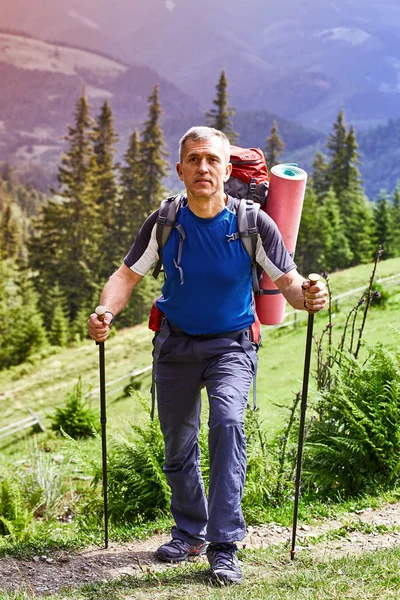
100, 312
313, 278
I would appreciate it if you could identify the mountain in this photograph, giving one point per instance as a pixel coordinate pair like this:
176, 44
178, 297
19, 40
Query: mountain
302, 60
41, 83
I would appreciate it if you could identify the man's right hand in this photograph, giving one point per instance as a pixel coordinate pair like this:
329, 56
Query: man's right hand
97, 329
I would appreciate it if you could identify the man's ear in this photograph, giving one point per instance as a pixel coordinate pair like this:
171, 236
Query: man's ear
179, 171
228, 171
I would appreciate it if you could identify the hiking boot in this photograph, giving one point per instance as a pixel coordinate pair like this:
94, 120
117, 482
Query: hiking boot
224, 563
177, 550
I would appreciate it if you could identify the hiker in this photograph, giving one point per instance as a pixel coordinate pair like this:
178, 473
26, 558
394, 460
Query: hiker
204, 341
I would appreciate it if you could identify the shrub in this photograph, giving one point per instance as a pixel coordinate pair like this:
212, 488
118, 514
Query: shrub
355, 445
76, 418
137, 486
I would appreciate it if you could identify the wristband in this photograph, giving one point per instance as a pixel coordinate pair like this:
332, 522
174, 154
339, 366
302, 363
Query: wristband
112, 316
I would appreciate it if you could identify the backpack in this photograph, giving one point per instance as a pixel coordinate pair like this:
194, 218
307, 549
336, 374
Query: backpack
249, 178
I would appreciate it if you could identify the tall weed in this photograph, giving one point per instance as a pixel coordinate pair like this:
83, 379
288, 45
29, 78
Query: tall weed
42, 482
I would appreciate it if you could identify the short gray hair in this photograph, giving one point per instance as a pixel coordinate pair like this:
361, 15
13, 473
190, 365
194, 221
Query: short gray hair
201, 133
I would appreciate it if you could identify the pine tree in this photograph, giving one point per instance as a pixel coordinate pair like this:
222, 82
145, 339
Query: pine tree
344, 178
153, 165
336, 146
132, 209
59, 327
352, 176
221, 116
319, 174
274, 147
22, 332
336, 252
382, 225
54, 306
357, 220
342, 173
104, 139
64, 248
310, 242
8, 175
11, 232
75, 163
395, 219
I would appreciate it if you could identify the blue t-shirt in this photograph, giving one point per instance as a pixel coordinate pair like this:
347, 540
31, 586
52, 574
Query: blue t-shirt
216, 295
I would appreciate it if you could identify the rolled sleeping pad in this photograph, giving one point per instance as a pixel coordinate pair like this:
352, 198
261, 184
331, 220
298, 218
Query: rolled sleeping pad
284, 205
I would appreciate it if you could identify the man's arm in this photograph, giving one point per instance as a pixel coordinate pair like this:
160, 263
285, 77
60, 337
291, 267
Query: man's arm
300, 293
114, 297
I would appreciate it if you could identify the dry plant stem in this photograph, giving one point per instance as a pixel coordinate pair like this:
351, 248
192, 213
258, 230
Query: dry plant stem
330, 324
285, 441
378, 254
323, 368
353, 327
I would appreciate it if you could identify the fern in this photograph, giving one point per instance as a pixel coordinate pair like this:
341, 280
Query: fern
15, 518
355, 446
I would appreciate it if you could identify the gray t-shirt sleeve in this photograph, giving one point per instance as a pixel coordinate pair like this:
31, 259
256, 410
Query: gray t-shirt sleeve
144, 251
271, 253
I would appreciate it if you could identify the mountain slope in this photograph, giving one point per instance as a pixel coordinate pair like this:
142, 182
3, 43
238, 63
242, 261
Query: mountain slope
41, 83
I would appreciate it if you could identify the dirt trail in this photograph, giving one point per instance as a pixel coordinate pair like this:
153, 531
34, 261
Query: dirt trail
43, 575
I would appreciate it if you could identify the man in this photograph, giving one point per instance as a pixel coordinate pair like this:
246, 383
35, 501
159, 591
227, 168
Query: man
204, 342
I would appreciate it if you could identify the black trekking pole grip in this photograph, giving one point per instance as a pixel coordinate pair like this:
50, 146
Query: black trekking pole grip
313, 278
100, 312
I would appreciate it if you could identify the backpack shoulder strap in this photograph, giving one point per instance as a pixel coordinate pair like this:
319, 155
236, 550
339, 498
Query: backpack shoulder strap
165, 222
248, 231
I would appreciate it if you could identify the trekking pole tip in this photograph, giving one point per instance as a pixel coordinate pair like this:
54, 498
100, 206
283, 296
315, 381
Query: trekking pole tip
100, 312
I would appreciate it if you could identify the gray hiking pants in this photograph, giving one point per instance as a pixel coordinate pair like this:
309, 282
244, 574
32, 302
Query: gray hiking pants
224, 365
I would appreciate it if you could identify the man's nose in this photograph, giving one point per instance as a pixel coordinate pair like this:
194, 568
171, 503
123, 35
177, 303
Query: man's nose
203, 165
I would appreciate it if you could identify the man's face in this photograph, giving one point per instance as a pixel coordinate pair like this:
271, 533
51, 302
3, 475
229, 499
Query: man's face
204, 167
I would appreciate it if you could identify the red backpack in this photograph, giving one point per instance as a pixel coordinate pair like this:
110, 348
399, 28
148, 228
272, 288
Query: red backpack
249, 178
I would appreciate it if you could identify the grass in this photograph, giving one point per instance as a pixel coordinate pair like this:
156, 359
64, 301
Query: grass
268, 575
53, 536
